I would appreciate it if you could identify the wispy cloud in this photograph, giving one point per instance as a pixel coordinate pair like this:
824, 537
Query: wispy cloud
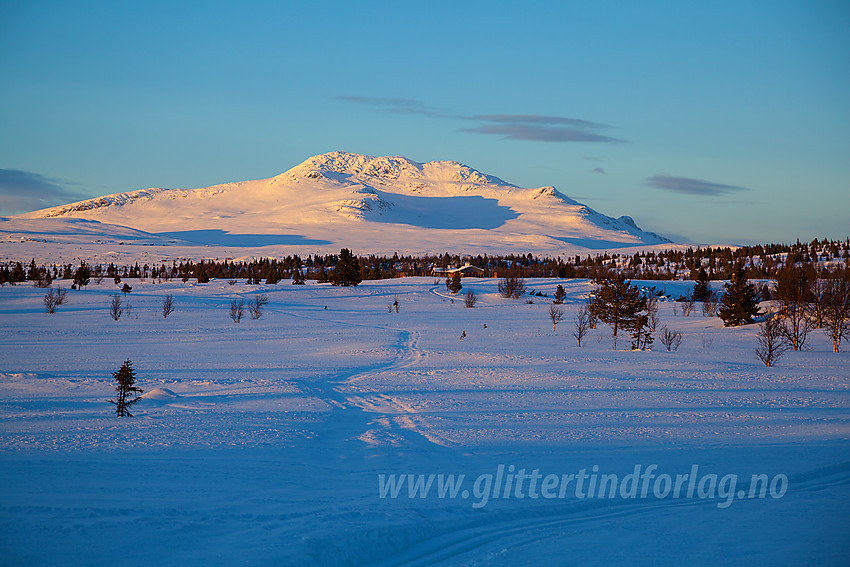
538, 119
535, 132
23, 191
396, 105
689, 186
599, 170
527, 127
540, 128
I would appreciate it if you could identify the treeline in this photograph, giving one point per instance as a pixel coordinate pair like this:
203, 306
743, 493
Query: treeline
719, 263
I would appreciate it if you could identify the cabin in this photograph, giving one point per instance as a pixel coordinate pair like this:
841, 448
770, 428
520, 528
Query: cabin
466, 270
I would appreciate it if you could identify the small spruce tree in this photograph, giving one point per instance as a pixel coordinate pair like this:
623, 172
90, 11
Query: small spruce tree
618, 303
125, 379
453, 284
18, 274
559, 295
701, 291
82, 276
739, 301
347, 271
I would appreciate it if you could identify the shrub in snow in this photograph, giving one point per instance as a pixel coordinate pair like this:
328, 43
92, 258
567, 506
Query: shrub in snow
582, 323
793, 291
687, 306
237, 310
511, 287
670, 339
115, 308
167, 305
255, 307
836, 308
556, 314
51, 300
770, 344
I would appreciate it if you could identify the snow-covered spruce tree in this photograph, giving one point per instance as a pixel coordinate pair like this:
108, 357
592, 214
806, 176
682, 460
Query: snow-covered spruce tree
125, 380
739, 301
618, 303
347, 271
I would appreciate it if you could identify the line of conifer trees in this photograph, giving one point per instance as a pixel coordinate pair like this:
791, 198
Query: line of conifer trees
718, 263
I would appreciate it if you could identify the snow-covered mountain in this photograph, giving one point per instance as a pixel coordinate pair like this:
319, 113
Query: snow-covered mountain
369, 204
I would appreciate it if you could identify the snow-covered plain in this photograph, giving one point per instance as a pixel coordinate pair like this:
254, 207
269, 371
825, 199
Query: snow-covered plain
261, 443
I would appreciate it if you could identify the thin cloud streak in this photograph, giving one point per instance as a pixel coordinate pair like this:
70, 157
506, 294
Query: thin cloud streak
23, 191
526, 127
689, 186
540, 133
381, 101
396, 105
537, 119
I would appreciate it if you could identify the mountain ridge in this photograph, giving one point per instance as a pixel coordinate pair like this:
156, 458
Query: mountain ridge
378, 201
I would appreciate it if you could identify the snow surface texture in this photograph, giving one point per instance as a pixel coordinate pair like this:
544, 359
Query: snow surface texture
369, 204
260, 443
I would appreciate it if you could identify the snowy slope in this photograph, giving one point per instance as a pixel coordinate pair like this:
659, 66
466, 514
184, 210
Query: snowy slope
370, 204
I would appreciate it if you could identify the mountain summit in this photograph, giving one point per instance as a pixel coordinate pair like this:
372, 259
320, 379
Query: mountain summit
370, 204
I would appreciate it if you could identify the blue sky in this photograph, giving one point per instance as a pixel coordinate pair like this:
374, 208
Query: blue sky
723, 122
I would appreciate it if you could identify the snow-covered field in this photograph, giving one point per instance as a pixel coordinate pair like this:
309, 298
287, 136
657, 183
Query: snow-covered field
263, 442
